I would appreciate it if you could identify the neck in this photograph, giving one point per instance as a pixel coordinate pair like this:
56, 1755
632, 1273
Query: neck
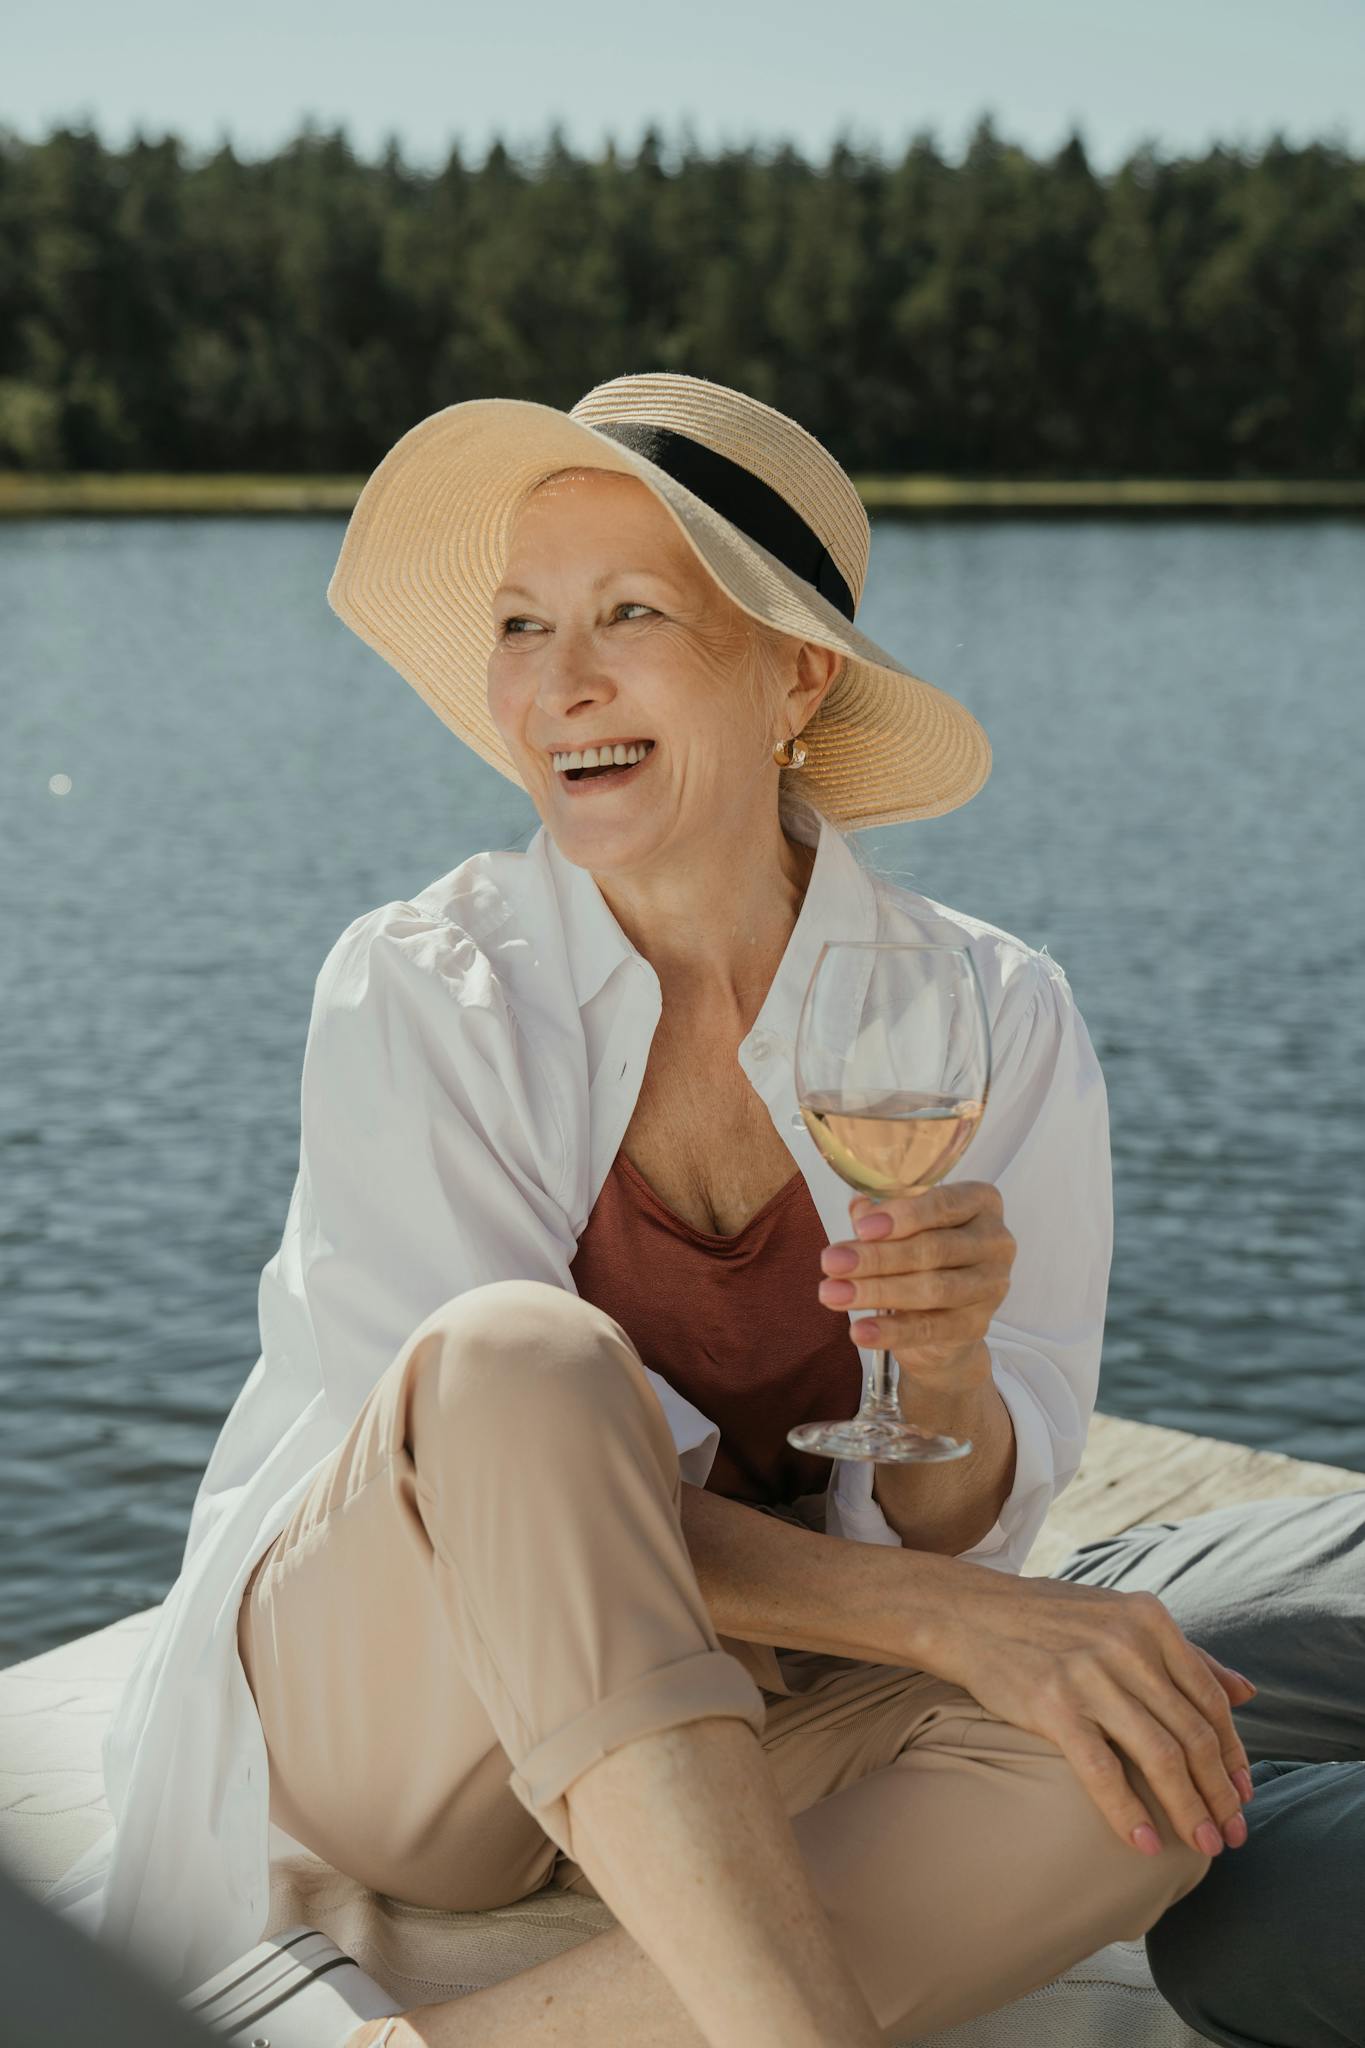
715, 927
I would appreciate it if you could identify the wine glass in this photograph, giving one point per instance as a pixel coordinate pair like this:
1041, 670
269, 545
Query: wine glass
893, 1067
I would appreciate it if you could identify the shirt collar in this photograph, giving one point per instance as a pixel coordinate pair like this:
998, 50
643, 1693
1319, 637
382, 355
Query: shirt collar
840, 902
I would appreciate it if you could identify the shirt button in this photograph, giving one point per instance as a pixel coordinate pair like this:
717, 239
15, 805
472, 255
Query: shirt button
761, 1044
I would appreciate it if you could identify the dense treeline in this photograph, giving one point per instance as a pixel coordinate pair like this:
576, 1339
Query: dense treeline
1006, 316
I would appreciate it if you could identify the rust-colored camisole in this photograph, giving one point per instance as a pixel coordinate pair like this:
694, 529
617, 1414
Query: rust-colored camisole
734, 1323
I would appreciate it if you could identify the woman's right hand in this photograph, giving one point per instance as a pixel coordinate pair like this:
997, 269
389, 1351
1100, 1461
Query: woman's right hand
1099, 1671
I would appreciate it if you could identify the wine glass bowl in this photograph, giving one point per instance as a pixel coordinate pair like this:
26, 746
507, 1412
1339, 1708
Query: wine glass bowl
893, 1067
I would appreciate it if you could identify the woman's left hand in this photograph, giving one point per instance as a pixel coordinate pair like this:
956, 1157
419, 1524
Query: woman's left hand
931, 1269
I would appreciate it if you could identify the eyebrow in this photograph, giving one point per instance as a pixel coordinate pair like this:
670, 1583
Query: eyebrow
607, 576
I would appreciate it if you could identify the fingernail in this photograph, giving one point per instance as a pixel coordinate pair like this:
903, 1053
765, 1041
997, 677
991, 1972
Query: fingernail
836, 1293
1245, 1788
1208, 1838
874, 1224
1235, 1831
1245, 1680
1148, 1840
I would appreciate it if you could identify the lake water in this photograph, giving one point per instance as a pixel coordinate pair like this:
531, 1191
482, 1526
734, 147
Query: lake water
1176, 808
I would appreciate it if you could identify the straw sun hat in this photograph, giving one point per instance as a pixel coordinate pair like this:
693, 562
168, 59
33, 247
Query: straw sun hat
768, 511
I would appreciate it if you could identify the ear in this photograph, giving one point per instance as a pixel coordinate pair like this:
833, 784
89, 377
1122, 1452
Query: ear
816, 669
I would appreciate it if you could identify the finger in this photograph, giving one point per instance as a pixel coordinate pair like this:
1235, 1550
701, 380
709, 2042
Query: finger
1238, 1687
950, 1203
1102, 1775
945, 1329
1203, 1742
1235, 1686
1191, 1672
1164, 1760
967, 1244
1211, 1701
1184, 1696
919, 1293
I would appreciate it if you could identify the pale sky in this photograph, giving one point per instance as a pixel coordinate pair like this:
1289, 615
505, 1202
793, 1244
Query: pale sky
1180, 73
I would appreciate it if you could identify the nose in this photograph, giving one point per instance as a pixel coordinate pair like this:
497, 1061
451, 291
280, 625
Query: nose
568, 675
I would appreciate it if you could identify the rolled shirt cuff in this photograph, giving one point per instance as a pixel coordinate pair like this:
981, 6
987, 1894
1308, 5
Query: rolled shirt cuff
850, 1509
1006, 1546
696, 1438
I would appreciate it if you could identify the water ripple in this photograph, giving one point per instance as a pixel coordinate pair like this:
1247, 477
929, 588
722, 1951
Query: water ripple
1179, 732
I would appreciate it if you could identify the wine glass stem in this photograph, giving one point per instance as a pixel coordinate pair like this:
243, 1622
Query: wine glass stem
881, 1396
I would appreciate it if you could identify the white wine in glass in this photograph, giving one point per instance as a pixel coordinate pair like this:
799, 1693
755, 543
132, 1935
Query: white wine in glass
893, 1068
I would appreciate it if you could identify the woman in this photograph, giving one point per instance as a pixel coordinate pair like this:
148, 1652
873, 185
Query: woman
833, 1765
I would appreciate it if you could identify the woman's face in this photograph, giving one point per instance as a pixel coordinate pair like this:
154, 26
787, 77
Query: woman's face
608, 629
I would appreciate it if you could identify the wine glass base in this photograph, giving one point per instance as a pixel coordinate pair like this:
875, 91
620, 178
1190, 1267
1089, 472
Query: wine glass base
885, 1443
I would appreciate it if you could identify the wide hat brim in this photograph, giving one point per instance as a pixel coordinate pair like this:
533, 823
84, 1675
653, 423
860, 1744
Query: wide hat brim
424, 552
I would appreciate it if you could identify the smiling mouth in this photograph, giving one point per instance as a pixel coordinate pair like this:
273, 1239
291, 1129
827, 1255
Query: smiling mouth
606, 771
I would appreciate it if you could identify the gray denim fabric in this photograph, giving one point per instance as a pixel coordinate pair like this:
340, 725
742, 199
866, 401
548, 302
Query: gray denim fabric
1269, 1951
1270, 1948
1276, 1589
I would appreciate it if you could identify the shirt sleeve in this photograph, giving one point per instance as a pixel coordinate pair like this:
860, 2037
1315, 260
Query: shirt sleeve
1044, 1142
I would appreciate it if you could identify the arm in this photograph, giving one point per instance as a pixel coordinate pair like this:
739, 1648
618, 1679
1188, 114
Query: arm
950, 1508
767, 1581
1096, 1671
1044, 1144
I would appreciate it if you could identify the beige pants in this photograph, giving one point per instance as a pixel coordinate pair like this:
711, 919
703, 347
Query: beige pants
487, 1588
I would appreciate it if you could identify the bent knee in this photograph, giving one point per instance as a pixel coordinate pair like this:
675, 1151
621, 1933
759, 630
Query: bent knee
530, 1320
524, 1346
1134, 1889
1182, 1867
1171, 1876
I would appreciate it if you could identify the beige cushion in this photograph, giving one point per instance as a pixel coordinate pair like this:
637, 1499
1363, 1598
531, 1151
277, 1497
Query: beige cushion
53, 1712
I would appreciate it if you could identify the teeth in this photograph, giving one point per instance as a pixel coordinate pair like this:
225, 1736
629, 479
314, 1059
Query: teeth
619, 756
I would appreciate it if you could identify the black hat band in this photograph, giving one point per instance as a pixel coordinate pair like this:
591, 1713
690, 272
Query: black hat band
739, 496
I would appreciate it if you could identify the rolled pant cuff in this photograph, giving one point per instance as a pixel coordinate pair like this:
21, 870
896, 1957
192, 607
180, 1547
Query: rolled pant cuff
712, 1682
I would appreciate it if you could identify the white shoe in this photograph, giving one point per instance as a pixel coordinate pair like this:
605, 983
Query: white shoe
295, 1989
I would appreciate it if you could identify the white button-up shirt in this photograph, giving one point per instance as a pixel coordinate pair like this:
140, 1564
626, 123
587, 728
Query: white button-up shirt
472, 1061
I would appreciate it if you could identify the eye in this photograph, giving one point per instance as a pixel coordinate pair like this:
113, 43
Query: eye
508, 629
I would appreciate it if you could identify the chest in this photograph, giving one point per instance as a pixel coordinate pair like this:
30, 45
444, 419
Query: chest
703, 1138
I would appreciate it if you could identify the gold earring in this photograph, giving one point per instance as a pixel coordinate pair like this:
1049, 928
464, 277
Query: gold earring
789, 753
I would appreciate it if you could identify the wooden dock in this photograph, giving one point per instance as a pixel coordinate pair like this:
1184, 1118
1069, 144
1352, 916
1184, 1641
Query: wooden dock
1137, 1472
